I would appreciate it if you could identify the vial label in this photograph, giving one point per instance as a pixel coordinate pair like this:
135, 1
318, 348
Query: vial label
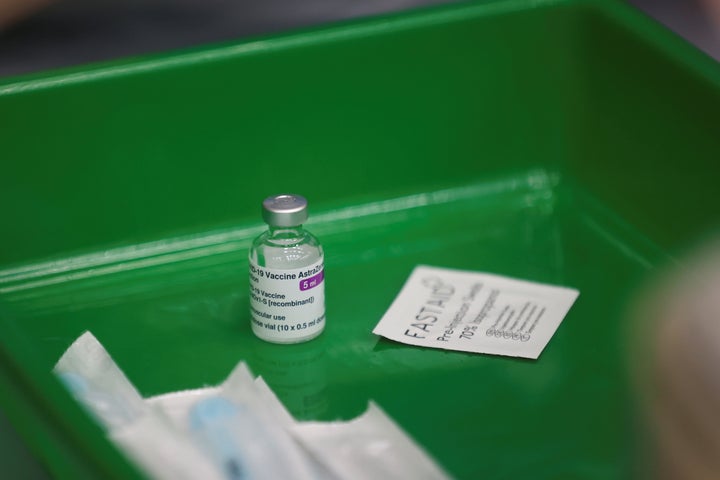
287, 305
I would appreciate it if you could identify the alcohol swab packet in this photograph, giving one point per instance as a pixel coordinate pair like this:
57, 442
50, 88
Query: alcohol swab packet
475, 312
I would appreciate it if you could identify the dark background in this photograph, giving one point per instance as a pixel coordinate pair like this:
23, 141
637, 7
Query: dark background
73, 32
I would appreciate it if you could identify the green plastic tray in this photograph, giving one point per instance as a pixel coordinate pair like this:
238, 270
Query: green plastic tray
569, 142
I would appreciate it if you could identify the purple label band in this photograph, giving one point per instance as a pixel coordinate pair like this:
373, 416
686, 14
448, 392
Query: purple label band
312, 282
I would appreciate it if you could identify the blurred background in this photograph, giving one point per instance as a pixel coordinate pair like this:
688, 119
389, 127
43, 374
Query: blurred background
37, 35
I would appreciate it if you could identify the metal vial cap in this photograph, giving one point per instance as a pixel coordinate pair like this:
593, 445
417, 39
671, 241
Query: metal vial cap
285, 210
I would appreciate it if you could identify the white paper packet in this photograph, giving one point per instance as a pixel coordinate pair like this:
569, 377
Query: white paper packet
91, 375
239, 429
176, 405
141, 431
369, 447
475, 312
162, 451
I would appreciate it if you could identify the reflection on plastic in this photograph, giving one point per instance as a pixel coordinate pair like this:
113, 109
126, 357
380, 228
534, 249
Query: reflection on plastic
298, 375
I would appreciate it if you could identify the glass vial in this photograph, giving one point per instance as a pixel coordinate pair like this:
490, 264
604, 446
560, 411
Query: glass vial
287, 291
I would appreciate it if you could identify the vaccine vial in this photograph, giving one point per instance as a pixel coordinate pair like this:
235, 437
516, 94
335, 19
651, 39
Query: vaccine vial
287, 289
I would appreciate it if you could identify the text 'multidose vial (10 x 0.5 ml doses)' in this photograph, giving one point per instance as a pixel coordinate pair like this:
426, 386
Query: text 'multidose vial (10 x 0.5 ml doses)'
287, 289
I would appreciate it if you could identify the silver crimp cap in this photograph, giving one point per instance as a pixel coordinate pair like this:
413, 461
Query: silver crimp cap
285, 210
